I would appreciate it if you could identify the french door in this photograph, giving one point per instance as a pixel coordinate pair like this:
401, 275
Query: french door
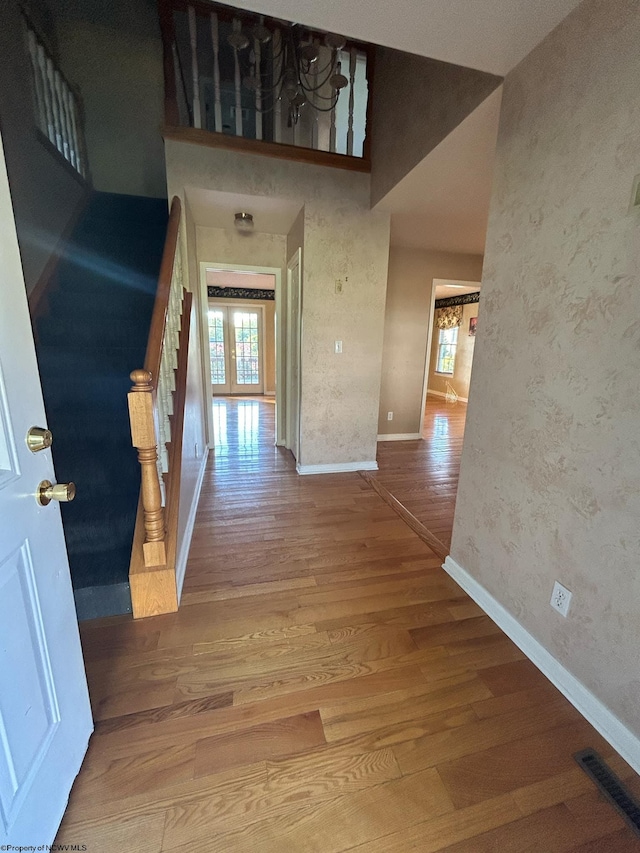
235, 349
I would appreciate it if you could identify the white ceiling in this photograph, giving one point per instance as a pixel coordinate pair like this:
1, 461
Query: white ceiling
443, 203
215, 209
444, 290
241, 278
490, 35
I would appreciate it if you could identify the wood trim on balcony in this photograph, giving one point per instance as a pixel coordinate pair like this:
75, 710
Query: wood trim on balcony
266, 149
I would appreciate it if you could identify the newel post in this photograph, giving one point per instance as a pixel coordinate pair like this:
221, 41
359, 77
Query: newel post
143, 436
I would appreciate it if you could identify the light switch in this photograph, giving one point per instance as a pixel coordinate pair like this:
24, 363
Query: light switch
338, 347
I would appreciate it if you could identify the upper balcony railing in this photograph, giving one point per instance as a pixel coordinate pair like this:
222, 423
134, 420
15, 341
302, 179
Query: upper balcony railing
58, 105
242, 76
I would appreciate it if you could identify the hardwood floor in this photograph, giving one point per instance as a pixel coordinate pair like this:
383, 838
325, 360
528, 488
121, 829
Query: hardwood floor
324, 687
423, 475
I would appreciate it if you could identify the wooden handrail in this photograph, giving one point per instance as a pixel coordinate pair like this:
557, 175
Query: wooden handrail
156, 410
161, 305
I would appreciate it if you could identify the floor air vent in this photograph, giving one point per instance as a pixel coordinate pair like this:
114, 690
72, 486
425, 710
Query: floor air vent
612, 788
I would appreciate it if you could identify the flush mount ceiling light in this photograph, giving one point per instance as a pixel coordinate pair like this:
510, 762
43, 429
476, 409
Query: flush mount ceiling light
243, 222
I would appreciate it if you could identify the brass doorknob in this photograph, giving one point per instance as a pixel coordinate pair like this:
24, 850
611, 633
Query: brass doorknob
39, 438
62, 492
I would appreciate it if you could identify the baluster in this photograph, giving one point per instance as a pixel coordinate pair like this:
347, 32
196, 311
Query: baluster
217, 106
193, 36
46, 90
75, 136
165, 374
258, 53
169, 64
332, 127
277, 73
57, 121
37, 79
315, 115
352, 80
64, 124
143, 436
237, 27
67, 97
332, 130
162, 420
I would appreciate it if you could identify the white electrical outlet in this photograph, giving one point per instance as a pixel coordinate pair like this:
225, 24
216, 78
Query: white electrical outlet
389, 416
560, 598
338, 285
338, 347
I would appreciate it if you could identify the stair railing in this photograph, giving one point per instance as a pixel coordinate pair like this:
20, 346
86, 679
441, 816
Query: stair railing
211, 101
58, 105
156, 412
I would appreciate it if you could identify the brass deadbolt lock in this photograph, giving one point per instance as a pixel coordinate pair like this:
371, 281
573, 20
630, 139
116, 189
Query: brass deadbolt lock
62, 492
39, 438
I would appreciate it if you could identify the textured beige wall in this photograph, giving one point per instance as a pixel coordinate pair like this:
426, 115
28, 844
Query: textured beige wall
406, 330
343, 239
228, 246
464, 358
113, 52
550, 478
409, 120
44, 193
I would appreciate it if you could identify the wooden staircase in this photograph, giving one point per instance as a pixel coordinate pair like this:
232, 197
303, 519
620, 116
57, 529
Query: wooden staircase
156, 412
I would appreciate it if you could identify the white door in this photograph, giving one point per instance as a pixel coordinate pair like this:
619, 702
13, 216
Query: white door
235, 346
45, 717
294, 309
246, 350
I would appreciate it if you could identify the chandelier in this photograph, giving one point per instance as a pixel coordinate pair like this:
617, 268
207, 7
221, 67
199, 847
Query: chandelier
304, 68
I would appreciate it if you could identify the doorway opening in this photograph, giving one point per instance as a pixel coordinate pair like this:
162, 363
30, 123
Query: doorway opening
450, 348
422, 476
242, 347
236, 349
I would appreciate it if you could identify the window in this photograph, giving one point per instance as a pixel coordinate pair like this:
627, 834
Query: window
447, 345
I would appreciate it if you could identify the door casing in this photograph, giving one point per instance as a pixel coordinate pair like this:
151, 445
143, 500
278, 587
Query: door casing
293, 367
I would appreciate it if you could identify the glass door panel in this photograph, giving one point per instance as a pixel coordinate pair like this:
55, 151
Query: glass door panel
235, 350
219, 351
246, 331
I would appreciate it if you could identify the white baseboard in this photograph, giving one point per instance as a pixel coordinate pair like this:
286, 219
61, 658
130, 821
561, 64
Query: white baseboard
442, 394
600, 717
337, 467
400, 436
181, 559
